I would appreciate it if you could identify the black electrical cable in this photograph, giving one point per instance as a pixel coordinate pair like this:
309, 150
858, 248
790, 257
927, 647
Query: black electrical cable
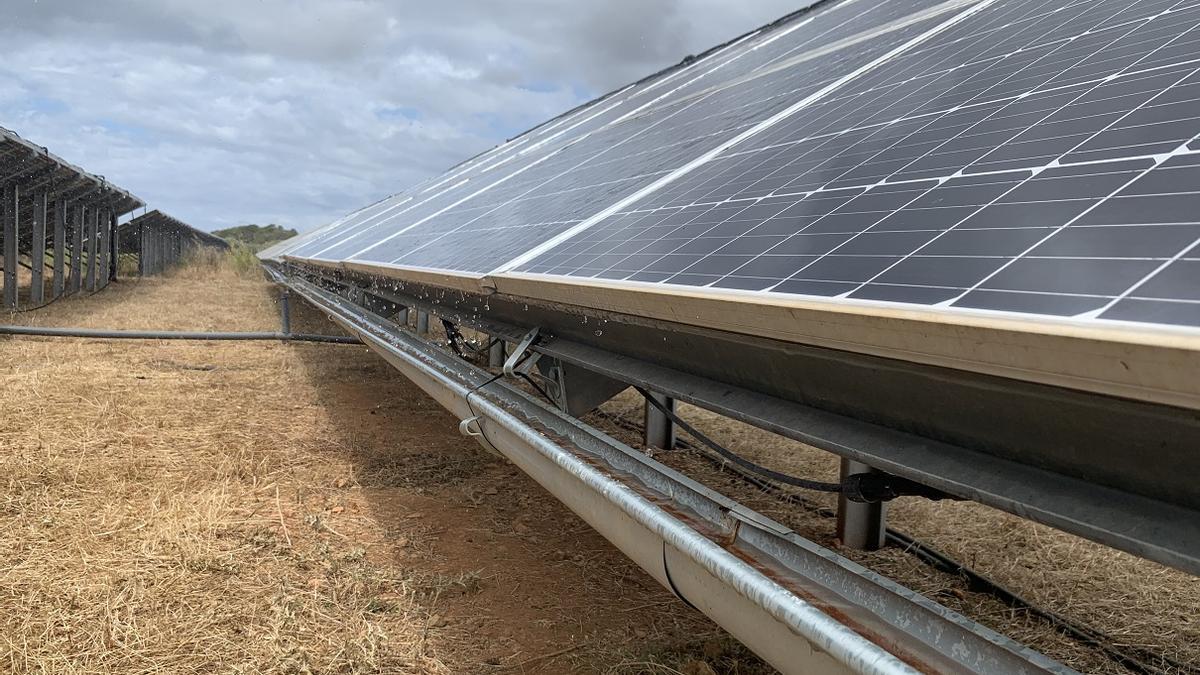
107, 334
541, 391
803, 483
454, 336
1135, 659
49, 302
458, 343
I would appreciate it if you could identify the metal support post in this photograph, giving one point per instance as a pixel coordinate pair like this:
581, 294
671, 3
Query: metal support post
422, 322
659, 430
77, 221
90, 225
8, 212
60, 247
105, 244
114, 247
101, 245
146, 256
141, 235
155, 250
402, 316
496, 353
860, 526
37, 252
285, 312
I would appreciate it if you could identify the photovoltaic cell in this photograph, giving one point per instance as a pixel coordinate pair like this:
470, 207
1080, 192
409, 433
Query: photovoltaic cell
1035, 157
613, 163
452, 217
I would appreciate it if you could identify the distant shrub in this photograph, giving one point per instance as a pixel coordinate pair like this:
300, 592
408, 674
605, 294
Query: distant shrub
243, 259
256, 237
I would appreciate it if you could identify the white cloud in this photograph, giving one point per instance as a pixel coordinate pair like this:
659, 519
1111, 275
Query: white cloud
296, 111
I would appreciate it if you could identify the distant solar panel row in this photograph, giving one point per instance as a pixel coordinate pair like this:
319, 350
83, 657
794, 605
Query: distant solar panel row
1017, 155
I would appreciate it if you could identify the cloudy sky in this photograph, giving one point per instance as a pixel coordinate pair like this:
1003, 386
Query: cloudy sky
224, 112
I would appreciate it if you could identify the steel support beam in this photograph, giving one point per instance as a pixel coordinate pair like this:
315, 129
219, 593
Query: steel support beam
60, 247
114, 247
422, 323
102, 247
37, 251
659, 431
8, 213
285, 311
496, 353
860, 526
90, 222
141, 249
77, 227
156, 248
162, 252
151, 250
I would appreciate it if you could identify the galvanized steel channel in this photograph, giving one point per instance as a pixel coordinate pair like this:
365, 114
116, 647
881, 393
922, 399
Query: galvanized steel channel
801, 607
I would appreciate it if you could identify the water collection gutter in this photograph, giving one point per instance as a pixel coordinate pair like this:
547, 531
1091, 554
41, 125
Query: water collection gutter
801, 607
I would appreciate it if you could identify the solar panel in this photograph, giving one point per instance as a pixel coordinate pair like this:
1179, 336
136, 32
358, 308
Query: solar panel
543, 194
503, 163
1017, 156
1033, 159
612, 163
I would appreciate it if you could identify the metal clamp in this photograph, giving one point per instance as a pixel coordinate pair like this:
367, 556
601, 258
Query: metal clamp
470, 427
510, 365
527, 359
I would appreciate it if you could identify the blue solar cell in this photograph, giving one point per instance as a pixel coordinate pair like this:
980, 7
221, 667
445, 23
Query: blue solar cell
1033, 158
1028, 156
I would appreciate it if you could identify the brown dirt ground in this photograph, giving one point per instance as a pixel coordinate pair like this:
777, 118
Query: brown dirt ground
240, 507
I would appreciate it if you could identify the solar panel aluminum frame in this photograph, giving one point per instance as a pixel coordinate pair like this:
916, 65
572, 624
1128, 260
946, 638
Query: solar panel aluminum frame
1149, 363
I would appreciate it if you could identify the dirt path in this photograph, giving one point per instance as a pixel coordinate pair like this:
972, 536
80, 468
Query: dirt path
249, 507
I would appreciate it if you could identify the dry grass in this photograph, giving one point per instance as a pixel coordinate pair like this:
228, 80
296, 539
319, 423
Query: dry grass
150, 518
261, 507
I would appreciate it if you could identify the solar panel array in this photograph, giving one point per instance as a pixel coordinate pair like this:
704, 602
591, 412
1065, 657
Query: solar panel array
1029, 156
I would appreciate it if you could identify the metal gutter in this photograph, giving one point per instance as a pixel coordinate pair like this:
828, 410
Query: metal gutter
1067, 459
801, 607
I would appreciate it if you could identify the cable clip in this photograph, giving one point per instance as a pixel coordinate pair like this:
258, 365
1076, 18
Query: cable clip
470, 427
